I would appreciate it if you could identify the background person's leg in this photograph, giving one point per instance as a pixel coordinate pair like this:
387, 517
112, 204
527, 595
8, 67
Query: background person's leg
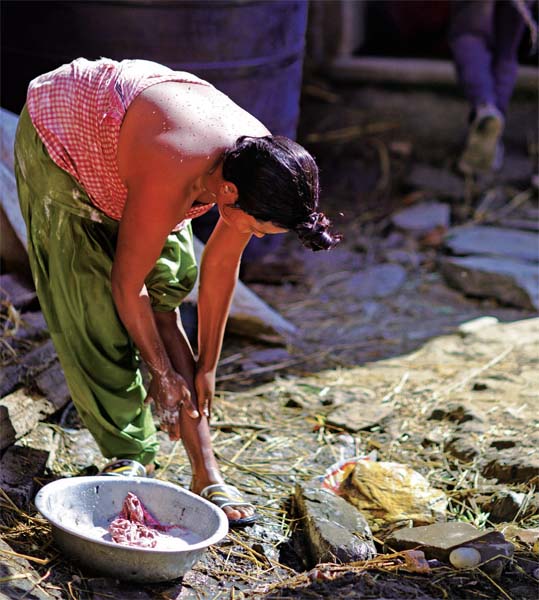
508, 30
471, 40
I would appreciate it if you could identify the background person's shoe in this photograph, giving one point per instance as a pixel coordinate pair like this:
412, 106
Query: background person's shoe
483, 141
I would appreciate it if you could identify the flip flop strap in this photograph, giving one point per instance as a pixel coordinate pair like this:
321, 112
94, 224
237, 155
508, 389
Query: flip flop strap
223, 495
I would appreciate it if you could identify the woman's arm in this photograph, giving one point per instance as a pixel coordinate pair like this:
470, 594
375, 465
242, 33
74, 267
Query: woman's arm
154, 206
218, 276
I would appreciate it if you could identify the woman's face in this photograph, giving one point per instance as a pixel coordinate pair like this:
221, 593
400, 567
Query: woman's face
261, 228
245, 223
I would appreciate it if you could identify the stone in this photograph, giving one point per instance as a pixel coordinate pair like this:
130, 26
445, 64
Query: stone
19, 467
495, 552
436, 540
517, 168
463, 448
422, 218
34, 362
504, 506
403, 257
52, 383
529, 535
479, 386
335, 531
494, 241
528, 224
475, 325
474, 428
458, 412
514, 465
20, 414
269, 356
379, 281
357, 416
32, 327
15, 290
102, 588
19, 579
464, 558
502, 444
441, 181
507, 280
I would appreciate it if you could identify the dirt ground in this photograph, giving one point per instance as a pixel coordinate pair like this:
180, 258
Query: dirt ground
271, 418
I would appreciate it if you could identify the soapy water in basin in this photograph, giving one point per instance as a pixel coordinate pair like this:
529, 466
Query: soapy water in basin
133, 527
177, 538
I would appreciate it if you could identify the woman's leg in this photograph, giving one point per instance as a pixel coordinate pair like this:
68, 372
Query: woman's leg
195, 432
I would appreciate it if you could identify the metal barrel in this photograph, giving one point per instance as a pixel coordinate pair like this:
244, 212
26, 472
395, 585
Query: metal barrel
252, 50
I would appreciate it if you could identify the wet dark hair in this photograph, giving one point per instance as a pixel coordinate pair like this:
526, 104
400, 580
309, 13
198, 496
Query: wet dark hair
277, 181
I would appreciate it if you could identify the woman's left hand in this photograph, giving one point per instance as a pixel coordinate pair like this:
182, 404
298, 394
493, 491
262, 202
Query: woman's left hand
205, 389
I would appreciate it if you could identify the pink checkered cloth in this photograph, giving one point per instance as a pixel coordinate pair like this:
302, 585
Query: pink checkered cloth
77, 111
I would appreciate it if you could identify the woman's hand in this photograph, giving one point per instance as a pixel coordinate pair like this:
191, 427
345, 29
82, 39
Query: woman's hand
169, 392
205, 388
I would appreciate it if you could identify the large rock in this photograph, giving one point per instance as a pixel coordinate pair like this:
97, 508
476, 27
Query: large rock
16, 291
441, 181
456, 411
422, 218
494, 241
19, 468
33, 363
504, 505
509, 281
19, 579
335, 531
379, 281
514, 465
437, 539
355, 416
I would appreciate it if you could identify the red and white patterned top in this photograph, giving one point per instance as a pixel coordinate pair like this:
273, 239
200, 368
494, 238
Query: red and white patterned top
78, 110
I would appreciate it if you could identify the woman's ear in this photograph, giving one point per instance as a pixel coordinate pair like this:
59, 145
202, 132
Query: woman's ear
229, 192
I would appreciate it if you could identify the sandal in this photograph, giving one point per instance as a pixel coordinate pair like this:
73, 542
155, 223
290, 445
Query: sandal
222, 494
124, 467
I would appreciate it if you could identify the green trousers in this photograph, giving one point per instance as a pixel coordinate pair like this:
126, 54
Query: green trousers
71, 248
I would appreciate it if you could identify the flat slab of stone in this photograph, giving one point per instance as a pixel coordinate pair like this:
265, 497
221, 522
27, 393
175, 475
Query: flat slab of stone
18, 469
494, 241
334, 530
19, 579
509, 281
435, 540
514, 465
16, 291
379, 281
441, 181
355, 416
423, 217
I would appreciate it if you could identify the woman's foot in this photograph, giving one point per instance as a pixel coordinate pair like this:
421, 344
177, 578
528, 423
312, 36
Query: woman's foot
227, 497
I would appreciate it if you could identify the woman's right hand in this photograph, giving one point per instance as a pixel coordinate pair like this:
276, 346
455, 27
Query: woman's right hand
170, 393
